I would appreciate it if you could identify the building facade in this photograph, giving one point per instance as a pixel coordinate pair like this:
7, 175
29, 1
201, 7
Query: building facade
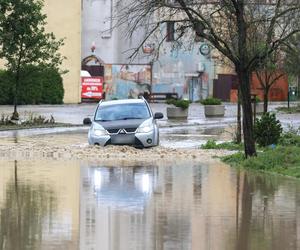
188, 72
64, 20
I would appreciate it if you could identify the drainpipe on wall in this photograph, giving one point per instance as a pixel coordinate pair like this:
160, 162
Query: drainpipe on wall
151, 76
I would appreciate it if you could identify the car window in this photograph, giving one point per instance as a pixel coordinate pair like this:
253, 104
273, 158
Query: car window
122, 112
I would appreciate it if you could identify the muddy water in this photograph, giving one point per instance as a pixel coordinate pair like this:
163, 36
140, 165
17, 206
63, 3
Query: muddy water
170, 137
55, 204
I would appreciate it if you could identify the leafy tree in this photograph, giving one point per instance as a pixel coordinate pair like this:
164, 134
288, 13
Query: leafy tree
244, 31
24, 41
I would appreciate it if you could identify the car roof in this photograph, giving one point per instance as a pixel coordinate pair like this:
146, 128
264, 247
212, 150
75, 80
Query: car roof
123, 101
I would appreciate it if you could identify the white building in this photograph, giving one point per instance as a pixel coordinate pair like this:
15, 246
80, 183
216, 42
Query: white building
190, 73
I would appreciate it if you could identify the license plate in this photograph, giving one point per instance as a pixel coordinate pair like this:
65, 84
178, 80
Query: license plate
122, 139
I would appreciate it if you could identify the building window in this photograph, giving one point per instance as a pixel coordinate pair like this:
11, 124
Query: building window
170, 31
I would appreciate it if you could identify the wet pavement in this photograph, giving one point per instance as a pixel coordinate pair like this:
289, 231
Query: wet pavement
77, 205
194, 131
75, 113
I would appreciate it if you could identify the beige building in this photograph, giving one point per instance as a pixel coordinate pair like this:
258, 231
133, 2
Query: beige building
64, 20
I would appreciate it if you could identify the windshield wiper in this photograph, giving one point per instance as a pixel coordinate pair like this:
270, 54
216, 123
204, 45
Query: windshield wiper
103, 120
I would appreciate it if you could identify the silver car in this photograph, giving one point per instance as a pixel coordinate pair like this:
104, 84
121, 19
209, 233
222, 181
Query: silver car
124, 122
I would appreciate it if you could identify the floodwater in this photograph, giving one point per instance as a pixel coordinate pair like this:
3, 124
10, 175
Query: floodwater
53, 204
171, 137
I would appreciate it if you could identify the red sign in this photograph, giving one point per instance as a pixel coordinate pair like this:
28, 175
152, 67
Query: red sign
91, 87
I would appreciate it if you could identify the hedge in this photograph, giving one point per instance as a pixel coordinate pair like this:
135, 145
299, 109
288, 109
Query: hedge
38, 85
6, 90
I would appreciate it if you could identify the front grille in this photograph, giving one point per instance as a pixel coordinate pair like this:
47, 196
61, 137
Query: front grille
113, 130
117, 130
130, 130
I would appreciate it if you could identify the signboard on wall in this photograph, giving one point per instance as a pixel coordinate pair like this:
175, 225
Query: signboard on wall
91, 87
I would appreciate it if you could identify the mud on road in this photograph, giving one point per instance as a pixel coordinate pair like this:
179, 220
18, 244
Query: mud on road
73, 146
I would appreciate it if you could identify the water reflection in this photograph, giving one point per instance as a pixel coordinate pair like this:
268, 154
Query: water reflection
23, 212
122, 188
71, 205
34, 212
186, 207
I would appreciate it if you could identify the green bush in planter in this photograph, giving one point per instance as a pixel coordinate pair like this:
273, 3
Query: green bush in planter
184, 104
6, 88
257, 99
211, 101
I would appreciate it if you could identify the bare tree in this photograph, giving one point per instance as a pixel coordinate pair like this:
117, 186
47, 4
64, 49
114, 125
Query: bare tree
268, 73
228, 25
292, 59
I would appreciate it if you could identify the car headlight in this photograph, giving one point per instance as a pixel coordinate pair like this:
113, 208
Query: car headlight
98, 130
145, 127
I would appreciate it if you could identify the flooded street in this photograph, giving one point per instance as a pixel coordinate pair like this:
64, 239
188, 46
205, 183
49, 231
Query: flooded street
78, 205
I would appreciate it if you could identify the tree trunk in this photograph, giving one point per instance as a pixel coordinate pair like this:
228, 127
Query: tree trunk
239, 123
266, 99
15, 115
298, 89
244, 79
249, 143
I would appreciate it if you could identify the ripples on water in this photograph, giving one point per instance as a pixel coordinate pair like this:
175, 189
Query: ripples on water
71, 205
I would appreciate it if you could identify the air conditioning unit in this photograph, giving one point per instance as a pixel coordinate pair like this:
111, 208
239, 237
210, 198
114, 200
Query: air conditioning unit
200, 67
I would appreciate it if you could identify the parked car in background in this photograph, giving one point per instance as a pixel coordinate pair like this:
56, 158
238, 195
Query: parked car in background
124, 122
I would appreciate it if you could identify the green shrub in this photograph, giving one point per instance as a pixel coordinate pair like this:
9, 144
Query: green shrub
31, 89
212, 144
184, 104
284, 160
211, 101
290, 138
267, 130
257, 99
6, 89
234, 159
37, 85
33, 119
52, 87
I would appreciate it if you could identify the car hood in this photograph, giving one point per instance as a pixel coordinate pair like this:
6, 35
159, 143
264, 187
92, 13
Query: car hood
132, 123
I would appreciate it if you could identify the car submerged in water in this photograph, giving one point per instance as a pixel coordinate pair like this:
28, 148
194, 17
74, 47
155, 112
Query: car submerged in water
124, 122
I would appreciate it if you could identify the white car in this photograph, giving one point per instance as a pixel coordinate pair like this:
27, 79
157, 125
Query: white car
124, 122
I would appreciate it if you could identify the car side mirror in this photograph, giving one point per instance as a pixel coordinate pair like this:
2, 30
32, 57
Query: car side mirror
87, 121
158, 115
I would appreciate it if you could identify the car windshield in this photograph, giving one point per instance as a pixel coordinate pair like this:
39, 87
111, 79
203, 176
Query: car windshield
122, 112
